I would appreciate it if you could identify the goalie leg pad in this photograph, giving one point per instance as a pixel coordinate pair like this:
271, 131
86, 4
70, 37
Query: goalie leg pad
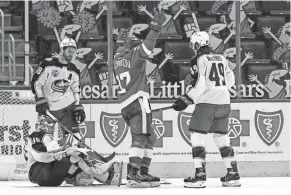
115, 174
81, 179
97, 165
81, 163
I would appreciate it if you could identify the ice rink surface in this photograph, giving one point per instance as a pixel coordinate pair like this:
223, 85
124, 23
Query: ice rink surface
253, 185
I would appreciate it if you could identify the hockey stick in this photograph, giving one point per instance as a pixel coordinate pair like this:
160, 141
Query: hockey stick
160, 109
110, 157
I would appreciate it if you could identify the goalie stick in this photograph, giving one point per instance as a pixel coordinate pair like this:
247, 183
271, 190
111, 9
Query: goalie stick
106, 159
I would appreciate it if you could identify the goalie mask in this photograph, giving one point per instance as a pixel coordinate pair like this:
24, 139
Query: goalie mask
68, 48
124, 43
199, 40
45, 123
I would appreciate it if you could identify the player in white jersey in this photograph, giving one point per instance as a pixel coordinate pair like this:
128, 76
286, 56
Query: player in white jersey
210, 78
56, 87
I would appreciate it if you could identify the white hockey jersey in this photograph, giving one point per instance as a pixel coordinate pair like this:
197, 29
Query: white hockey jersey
56, 82
211, 79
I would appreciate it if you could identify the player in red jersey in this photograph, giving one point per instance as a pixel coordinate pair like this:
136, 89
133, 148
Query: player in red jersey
130, 72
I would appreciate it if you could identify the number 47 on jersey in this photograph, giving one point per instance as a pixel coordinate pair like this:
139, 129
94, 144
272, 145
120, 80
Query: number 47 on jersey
123, 80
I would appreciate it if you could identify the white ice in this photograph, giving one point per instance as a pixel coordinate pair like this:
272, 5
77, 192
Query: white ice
252, 185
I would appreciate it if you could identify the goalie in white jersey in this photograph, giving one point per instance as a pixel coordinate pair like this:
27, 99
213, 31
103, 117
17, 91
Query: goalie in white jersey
210, 78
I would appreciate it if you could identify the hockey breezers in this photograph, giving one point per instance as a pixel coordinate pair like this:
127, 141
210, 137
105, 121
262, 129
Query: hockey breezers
105, 159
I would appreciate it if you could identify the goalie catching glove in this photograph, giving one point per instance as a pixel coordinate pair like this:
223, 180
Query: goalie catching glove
79, 114
182, 103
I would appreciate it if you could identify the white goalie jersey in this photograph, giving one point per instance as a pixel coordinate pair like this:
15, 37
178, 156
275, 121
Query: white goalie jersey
211, 79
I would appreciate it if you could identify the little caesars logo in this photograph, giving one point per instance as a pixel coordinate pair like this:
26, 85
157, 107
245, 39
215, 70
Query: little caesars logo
269, 126
236, 128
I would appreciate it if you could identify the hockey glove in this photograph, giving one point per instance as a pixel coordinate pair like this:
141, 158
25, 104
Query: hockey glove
41, 105
157, 22
182, 103
79, 114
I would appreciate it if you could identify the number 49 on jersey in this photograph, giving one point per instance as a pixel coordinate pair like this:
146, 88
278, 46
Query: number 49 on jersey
217, 75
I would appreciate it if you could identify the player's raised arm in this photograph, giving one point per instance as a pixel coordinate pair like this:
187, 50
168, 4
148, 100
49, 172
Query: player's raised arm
149, 43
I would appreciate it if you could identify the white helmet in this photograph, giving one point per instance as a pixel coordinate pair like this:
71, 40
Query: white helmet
68, 42
199, 39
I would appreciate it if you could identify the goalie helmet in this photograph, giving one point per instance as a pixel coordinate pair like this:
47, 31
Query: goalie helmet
45, 123
198, 40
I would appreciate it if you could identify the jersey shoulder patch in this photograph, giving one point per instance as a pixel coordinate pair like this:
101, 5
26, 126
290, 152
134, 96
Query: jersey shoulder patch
194, 69
39, 70
42, 65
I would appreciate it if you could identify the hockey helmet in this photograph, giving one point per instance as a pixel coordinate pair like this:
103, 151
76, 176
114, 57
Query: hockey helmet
198, 40
45, 123
68, 42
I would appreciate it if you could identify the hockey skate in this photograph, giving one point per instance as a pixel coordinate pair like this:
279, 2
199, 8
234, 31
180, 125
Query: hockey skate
232, 177
198, 181
153, 181
134, 178
115, 174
